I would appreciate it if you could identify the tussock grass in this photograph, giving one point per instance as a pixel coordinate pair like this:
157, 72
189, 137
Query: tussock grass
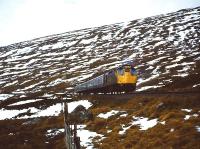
175, 133
30, 133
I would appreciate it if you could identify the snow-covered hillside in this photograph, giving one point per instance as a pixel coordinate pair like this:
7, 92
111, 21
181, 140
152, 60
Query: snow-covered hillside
165, 48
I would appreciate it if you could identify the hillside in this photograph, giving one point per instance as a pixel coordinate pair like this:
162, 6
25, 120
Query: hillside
36, 75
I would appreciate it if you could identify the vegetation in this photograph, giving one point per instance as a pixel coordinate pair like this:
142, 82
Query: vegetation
174, 132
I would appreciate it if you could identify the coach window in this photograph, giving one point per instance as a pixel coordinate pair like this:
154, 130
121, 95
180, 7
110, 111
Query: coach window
120, 71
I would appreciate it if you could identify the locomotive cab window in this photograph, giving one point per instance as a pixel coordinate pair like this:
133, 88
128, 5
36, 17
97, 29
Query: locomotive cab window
133, 71
120, 71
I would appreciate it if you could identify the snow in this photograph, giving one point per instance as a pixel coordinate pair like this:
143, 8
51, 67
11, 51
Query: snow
178, 58
47, 95
144, 123
108, 131
172, 130
124, 115
92, 61
58, 45
147, 87
155, 61
108, 114
107, 37
86, 136
88, 41
11, 134
8, 53
73, 105
159, 43
53, 110
172, 66
150, 67
198, 128
170, 29
54, 132
181, 75
124, 129
186, 110
32, 86
5, 96
45, 47
196, 85
25, 102
55, 82
18, 58
25, 50
182, 34
8, 114
141, 80
18, 92
163, 122
83, 77
187, 117
185, 69
31, 62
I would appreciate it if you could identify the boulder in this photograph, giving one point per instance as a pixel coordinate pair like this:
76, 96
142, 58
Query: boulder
79, 115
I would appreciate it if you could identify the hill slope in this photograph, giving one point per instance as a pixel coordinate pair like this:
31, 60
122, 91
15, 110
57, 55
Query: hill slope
36, 74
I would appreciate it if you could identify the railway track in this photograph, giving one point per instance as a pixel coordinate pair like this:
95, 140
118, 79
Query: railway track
76, 97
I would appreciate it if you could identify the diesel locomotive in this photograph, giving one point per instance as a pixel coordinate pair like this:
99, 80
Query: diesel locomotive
121, 79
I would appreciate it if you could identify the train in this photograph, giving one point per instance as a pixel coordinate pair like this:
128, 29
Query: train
122, 79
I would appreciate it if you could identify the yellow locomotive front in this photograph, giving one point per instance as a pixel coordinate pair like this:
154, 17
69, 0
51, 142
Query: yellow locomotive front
126, 77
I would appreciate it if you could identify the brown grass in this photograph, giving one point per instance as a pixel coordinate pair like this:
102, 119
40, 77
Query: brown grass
30, 133
176, 133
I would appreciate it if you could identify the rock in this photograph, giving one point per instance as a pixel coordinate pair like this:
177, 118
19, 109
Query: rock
80, 114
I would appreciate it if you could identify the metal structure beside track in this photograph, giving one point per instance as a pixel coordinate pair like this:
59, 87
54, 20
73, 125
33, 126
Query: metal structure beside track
72, 141
128, 96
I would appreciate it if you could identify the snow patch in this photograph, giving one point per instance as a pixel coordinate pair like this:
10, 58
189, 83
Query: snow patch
124, 129
9, 114
5, 96
25, 50
54, 132
73, 105
196, 85
144, 123
55, 82
86, 136
163, 122
58, 45
187, 117
108, 114
147, 87
25, 102
198, 128
124, 115
186, 110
